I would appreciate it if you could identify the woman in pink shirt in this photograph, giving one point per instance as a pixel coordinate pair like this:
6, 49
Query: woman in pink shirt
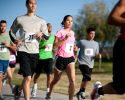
64, 42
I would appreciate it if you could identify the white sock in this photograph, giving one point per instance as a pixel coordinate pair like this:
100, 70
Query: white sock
47, 89
35, 86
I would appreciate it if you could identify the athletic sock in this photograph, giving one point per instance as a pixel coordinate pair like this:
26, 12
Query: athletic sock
35, 86
48, 89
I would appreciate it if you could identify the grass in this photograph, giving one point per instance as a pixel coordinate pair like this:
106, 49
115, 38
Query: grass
104, 75
106, 67
62, 86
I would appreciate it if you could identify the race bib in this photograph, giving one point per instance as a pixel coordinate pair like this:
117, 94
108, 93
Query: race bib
49, 47
12, 58
30, 37
3, 48
89, 52
69, 48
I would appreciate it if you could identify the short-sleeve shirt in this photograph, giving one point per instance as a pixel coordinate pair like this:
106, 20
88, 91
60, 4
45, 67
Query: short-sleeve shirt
46, 52
27, 27
66, 50
4, 51
88, 50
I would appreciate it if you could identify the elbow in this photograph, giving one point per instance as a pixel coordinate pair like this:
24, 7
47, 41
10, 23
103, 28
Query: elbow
116, 20
113, 21
110, 20
55, 46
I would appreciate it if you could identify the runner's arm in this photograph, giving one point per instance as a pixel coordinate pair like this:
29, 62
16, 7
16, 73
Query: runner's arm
115, 17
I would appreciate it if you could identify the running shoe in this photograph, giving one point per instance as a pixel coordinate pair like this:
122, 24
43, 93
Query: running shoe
48, 97
17, 92
1, 98
94, 93
80, 96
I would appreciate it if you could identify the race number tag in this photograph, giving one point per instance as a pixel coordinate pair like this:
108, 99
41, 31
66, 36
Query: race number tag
89, 52
12, 58
3, 48
69, 48
30, 37
48, 47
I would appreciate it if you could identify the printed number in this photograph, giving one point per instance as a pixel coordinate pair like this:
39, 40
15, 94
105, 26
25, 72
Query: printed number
69, 48
89, 52
3, 48
31, 37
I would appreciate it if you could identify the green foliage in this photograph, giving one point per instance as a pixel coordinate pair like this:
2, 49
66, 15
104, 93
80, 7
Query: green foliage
95, 14
106, 67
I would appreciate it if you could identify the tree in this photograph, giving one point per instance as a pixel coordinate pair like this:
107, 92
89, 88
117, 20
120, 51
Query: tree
95, 15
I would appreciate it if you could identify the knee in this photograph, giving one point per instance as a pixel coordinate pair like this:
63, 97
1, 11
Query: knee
28, 78
86, 78
9, 77
49, 75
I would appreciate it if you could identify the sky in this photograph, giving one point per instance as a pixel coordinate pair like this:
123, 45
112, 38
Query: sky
52, 11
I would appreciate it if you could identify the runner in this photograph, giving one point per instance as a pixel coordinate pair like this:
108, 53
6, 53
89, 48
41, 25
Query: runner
88, 50
10, 70
64, 41
117, 86
45, 63
5, 46
31, 29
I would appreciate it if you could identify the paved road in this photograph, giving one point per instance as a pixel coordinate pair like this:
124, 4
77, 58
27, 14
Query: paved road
40, 95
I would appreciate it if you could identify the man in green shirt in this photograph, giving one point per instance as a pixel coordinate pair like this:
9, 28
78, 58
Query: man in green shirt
45, 60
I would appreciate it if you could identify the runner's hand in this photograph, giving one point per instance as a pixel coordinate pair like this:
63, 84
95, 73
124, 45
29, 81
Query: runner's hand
38, 35
18, 42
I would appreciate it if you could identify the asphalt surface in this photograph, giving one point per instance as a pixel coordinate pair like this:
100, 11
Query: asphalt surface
7, 94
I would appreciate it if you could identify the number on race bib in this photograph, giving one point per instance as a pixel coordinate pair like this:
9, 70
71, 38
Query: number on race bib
89, 52
29, 37
69, 48
12, 58
48, 47
3, 48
